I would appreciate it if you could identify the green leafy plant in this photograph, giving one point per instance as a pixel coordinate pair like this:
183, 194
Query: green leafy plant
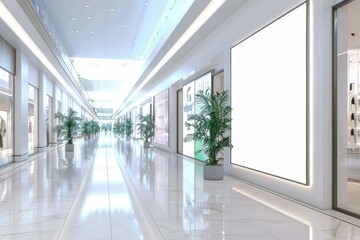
211, 124
94, 126
128, 127
86, 128
122, 129
90, 127
146, 127
68, 125
117, 128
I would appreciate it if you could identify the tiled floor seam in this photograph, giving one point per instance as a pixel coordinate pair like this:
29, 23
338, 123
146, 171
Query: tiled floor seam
108, 189
352, 222
75, 198
124, 171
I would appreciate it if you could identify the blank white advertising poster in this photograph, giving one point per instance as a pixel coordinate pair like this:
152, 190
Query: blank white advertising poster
268, 97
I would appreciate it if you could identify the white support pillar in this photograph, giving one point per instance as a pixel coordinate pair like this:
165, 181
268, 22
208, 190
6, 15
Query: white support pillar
42, 111
55, 110
21, 107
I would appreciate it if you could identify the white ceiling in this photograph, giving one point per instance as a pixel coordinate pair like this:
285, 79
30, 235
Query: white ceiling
106, 40
123, 21
117, 29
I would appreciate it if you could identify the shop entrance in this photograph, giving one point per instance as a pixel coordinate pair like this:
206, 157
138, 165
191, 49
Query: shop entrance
347, 107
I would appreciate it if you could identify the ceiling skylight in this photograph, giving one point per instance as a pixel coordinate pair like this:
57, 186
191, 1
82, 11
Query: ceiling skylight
108, 69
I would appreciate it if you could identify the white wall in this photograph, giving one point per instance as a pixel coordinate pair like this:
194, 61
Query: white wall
34, 76
213, 52
50, 88
21, 90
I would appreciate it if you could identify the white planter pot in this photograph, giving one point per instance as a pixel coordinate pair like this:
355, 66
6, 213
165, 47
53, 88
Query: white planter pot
213, 172
69, 147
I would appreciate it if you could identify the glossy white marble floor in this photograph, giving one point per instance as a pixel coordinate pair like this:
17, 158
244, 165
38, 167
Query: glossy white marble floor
112, 189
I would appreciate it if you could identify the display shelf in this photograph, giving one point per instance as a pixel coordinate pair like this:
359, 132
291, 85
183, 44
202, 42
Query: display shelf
353, 118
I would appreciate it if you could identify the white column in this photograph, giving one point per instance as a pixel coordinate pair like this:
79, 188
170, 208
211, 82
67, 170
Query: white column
56, 96
342, 110
42, 111
173, 119
21, 107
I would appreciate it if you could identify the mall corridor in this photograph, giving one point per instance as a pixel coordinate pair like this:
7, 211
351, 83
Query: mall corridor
113, 189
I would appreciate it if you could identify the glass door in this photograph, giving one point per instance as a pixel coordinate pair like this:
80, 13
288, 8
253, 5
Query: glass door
33, 123
347, 107
6, 107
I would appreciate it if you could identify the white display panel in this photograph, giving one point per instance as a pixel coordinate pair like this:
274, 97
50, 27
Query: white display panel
189, 109
161, 115
201, 84
268, 97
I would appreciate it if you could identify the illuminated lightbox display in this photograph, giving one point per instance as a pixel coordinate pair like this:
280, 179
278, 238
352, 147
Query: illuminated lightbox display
201, 84
189, 109
268, 84
161, 114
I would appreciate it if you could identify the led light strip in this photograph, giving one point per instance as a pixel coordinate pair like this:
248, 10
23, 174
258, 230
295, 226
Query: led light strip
205, 15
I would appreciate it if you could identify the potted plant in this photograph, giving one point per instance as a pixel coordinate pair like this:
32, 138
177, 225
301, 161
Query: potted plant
95, 127
86, 128
128, 128
122, 129
68, 125
117, 128
146, 128
211, 126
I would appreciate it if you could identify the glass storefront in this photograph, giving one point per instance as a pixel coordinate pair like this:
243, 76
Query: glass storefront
190, 147
33, 136
6, 106
347, 106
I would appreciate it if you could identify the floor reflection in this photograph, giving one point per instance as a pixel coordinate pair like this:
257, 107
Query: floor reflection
111, 188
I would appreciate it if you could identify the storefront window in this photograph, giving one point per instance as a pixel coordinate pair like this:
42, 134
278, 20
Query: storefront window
347, 107
33, 136
6, 103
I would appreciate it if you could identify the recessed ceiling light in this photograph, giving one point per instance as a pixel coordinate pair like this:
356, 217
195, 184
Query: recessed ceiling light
87, 5
92, 32
146, 3
88, 17
122, 25
94, 46
110, 34
139, 23
93, 37
73, 18
76, 31
112, 9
